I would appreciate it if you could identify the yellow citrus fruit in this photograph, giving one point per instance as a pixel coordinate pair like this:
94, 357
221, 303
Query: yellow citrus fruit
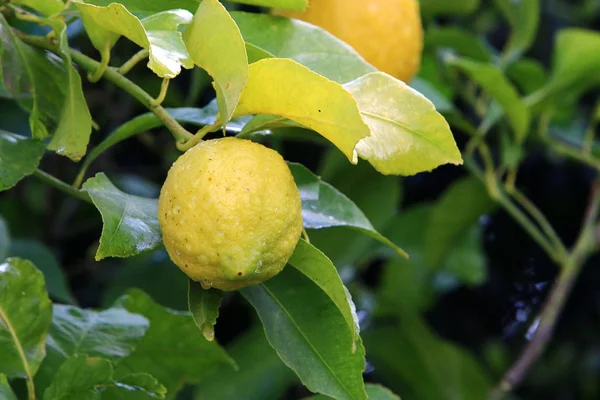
230, 213
387, 33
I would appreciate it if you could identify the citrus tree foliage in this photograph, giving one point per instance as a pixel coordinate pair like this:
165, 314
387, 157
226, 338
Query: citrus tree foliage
274, 79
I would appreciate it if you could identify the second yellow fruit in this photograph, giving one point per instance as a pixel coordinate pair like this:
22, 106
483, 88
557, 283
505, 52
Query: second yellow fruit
387, 33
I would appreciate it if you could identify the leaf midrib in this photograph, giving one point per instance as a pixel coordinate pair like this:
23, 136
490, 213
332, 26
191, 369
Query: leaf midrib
17, 342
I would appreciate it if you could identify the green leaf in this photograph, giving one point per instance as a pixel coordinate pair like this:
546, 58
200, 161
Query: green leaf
408, 136
318, 268
261, 373
130, 222
216, 45
448, 7
158, 34
173, 351
79, 377
286, 88
43, 258
295, 5
154, 6
5, 241
34, 78
467, 261
310, 334
91, 378
25, 313
6, 392
528, 74
72, 134
46, 7
323, 206
112, 334
524, 18
460, 40
494, 82
19, 157
375, 392
154, 273
410, 358
204, 306
304, 43
459, 209
442, 103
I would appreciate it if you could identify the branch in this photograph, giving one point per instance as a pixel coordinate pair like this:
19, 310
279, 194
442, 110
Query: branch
60, 185
585, 246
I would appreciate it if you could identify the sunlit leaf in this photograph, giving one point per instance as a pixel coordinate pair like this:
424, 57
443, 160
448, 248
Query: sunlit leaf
216, 45
149, 7
19, 157
46, 7
309, 334
407, 134
130, 223
286, 88
25, 313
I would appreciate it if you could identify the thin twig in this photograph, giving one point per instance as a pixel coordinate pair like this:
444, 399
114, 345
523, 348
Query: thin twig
585, 246
133, 61
60, 185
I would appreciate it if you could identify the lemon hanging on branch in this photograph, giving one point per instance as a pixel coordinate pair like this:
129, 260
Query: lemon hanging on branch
230, 213
387, 33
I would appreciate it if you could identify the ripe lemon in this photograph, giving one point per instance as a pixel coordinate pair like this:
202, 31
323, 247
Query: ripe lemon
387, 33
230, 213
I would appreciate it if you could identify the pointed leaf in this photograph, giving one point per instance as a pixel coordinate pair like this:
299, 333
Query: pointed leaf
494, 82
375, 392
329, 208
72, 134
173, 351
204, 306
158, 34
258, 364
318, 268
304, 43
19, 157
112, 334
78, 378
286, 88
29, 75
524, 18
310, 334
6, 392
25, 314
459, 209
407, 134
216, 45
130, 222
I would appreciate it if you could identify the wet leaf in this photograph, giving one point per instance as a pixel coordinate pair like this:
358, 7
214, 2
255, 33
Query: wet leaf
130, 223
19, 157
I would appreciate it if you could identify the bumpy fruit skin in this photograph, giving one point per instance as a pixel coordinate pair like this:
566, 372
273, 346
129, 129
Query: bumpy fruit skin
387, 33
230, 213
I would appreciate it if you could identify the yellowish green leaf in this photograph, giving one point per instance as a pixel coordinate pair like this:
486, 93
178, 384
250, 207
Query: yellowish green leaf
284, 87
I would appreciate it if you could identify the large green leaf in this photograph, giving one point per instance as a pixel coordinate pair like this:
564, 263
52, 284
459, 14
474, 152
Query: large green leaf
524, 18
529, 74
19, 157
72, 134
43, 258
407, 134
411, 359
25, 314
157, 33
323, 206
6, 392
286, 88
204, 306
304, 43
112, 334
216, 45
46, 7
494, 82
173, 350
130, 222
375, 392
91, 378
459, 209
261, 373
310, 334
34, 78
318, 268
